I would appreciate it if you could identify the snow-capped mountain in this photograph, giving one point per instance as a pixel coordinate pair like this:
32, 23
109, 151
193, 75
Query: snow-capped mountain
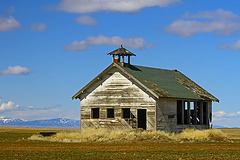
56, 123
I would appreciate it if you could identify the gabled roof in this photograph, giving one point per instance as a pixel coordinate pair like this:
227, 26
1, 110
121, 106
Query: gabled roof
161, 83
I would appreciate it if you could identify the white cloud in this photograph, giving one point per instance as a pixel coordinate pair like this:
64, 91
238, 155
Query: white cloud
88, 6
221, 118
7, 106
219, 114
223, 114
16, 70
220, 22
227, 45
42, 114
134, 42
7, 24
86, 20
217, 14
10, 109
39, 27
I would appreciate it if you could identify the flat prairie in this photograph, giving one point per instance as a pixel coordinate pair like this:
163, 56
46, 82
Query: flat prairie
232, 133
15, 144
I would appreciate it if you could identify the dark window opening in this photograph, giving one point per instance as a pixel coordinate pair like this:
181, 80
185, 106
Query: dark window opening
125, 112
95, 112
110, 113
205, 113
142, 118
192, 113
179, 112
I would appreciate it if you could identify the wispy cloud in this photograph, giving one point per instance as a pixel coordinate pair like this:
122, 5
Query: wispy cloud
134, 42
88, 6
8, 24
10, 11
15, 70
39, 27
222, 114
15, 111
227, 45
220, 22
86, 20
217, 14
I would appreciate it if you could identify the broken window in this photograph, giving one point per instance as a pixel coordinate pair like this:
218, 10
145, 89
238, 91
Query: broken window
192, 112
192, 117
95, 112
110, 113
125, 112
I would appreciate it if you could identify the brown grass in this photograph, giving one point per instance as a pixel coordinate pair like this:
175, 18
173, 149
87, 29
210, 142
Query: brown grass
105, 135
232, 133
14, 144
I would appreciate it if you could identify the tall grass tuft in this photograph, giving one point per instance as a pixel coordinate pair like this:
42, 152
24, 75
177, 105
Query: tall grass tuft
106, 135
201, 135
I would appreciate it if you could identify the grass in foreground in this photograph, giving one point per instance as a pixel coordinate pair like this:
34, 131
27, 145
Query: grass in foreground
106, 135
14, 144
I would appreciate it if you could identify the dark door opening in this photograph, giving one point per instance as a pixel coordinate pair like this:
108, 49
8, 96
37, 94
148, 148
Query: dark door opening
142, 118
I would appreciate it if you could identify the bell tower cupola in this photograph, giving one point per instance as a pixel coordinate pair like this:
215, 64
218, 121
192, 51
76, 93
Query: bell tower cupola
119, 54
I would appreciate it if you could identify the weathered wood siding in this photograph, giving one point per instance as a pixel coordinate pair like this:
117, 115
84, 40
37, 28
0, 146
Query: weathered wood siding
114, 90
166, 116
166, 108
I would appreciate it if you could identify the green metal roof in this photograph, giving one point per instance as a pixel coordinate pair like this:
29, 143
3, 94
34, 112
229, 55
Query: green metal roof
168, 83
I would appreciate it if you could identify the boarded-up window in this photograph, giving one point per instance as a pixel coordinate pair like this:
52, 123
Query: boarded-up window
110, 113
95, 112
126, 113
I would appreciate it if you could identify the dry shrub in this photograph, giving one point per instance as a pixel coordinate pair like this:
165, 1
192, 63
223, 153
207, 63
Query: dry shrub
106, 135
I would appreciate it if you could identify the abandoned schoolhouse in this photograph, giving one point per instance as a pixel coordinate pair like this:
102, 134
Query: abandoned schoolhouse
126, 96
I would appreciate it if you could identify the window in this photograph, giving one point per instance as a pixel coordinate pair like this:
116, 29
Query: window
192, 113
95, 112
126, 113
110, 113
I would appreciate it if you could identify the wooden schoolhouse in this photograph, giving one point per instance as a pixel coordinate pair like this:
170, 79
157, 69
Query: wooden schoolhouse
126, 96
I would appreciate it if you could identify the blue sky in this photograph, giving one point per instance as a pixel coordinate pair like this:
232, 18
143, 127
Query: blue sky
51, 49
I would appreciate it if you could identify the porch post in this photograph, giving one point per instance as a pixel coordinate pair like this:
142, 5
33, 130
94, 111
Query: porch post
183, 108
195, 113
188, 113
201, 112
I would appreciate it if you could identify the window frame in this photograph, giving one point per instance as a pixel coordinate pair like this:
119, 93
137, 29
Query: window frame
124, 113
108, 114
94, 110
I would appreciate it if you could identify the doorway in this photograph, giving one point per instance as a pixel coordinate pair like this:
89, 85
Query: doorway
142, 118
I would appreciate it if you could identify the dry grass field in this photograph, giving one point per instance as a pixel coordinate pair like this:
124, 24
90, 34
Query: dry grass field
15, 144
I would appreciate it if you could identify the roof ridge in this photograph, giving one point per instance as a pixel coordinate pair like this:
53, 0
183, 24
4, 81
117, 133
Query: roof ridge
153, 68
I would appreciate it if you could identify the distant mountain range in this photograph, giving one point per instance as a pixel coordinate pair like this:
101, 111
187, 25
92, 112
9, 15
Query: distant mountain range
49, 123
216, 126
